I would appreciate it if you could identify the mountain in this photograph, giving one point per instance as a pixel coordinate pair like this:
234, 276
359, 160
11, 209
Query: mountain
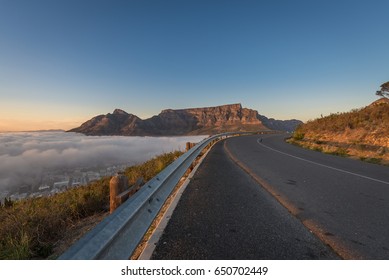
289, 125
362, 133
117, 123
193, 121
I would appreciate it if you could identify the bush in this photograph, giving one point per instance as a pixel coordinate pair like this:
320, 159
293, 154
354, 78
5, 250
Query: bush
298, 135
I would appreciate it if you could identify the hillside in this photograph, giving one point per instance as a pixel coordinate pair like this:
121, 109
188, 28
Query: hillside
44, 227
193, 121
362, 133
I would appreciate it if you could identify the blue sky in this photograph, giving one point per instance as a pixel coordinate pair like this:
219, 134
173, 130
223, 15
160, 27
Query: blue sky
63, 62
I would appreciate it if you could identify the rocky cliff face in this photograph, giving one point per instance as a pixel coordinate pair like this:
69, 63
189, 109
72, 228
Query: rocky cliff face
194, 121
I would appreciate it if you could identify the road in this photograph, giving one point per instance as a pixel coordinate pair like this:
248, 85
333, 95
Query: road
253, 199
225, 214
344, 202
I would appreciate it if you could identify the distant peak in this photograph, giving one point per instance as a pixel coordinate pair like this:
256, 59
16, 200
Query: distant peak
119, 112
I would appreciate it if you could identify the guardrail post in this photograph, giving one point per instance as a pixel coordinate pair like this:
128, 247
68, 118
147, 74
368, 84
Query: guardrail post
189, 145
117, 185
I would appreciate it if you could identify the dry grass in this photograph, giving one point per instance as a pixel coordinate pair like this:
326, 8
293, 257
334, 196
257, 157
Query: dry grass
41, 228
362, 134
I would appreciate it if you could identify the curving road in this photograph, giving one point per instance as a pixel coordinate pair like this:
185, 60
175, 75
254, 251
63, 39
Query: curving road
343, 201
257, 197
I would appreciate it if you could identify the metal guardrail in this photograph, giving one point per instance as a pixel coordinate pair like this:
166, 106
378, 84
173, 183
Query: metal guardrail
118, 235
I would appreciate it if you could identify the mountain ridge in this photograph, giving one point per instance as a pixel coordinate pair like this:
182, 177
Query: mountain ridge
190, 121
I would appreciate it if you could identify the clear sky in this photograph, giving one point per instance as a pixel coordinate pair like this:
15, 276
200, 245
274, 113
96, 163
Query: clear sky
65, 61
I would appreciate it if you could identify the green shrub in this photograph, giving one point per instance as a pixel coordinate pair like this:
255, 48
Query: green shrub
298, 135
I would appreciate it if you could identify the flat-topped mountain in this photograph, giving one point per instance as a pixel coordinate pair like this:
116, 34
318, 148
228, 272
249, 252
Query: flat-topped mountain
192, 121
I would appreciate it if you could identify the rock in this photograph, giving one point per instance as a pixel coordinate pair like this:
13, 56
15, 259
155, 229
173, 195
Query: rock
193, 121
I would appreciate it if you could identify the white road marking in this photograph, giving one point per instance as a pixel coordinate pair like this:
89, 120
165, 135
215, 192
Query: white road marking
323, 165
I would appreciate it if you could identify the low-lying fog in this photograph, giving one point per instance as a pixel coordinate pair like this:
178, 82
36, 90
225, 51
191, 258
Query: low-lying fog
25, 156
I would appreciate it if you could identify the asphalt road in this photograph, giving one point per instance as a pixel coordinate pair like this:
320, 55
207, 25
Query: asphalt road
225, 213
344, 202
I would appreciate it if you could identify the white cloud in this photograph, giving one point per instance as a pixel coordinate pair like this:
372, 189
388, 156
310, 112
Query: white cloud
25, 155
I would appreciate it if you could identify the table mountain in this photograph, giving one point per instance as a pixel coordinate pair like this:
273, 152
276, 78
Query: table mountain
193, 121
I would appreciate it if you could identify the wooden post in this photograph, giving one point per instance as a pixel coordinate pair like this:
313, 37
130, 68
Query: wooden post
117, 185
189, 145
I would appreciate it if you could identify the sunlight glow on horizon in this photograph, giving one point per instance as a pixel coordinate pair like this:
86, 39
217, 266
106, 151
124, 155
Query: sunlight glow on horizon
14, 125
287, 60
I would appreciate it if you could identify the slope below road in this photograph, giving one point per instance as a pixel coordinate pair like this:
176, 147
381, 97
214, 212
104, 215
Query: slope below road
225, 214
343, 201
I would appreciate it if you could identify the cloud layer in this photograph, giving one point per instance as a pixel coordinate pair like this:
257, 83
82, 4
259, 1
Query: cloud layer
25, 155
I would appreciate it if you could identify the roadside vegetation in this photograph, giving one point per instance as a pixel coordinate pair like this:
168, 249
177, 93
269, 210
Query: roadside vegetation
361, 133
35, 228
